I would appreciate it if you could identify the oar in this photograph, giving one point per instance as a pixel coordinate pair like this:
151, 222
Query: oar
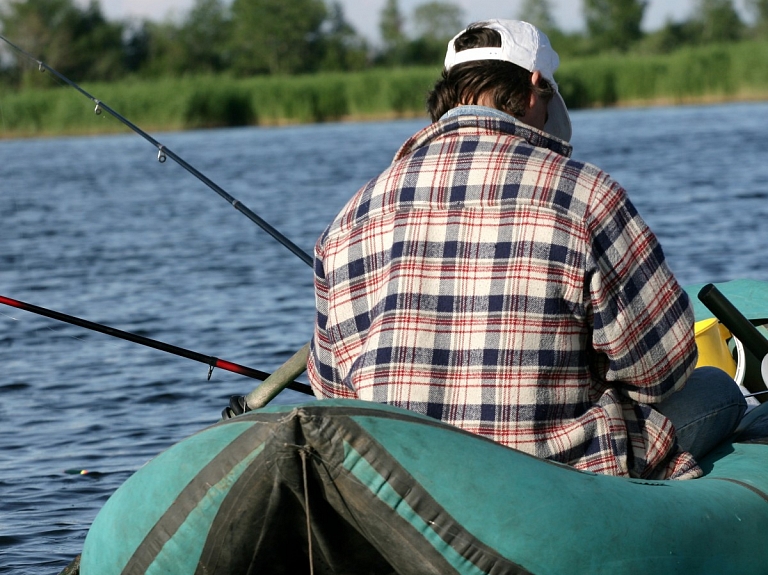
211, 361
738, 325
163, 152
268, 390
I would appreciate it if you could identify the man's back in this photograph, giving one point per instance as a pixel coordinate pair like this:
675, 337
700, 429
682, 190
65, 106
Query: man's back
464, 282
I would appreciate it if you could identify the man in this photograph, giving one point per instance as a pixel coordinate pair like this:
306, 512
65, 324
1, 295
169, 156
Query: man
487, 280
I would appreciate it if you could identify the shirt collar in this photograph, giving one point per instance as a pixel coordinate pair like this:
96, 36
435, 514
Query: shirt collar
487, 119
474, 110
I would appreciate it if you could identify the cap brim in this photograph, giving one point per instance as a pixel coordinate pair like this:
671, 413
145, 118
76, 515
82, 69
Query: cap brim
558, 121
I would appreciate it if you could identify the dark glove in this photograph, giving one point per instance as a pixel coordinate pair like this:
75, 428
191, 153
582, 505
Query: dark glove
237, 406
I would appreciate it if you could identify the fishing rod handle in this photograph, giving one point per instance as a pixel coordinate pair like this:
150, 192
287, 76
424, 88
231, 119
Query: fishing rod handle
734, 320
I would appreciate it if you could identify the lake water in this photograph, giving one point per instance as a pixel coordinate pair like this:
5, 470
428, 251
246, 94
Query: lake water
95, 227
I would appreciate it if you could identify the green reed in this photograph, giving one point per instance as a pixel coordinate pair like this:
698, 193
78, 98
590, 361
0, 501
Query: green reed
704, 73
707, 73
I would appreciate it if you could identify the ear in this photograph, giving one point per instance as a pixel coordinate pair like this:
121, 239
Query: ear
535, 77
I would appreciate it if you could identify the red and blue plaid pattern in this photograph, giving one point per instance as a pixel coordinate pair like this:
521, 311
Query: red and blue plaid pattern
487, 280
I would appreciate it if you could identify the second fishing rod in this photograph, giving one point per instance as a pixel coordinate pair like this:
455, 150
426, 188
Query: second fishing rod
163, 152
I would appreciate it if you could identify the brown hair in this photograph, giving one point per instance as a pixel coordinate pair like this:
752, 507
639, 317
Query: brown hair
509, 85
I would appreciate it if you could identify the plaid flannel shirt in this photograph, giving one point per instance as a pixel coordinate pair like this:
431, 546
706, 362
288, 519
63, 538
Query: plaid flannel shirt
488, 280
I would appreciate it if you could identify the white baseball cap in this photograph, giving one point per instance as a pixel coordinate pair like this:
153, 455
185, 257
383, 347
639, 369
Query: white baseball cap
528, 47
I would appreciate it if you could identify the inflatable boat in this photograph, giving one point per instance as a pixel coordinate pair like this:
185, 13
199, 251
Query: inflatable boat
352, 487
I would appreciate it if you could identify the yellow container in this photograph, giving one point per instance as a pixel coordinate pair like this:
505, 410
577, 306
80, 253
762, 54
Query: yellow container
711, 339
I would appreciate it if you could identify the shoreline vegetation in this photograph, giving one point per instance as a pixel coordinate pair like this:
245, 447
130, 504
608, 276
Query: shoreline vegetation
703, 74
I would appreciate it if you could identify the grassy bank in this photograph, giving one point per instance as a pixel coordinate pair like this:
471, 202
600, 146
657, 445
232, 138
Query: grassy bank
710, 73
703, 74
209, 101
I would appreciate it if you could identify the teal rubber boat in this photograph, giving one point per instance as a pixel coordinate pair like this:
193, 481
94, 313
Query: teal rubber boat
352, 487
378, 490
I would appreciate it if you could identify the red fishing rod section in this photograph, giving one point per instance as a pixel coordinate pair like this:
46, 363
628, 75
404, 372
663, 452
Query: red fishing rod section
209, 360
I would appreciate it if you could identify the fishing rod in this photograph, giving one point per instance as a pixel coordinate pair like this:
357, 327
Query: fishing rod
211, 361
163, 152
738, 324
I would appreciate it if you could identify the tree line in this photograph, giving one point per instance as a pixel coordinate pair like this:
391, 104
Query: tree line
284, 37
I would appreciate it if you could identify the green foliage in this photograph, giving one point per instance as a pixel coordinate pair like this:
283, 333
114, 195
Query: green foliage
711, 72
212, 103
716, 21
672, 36
437, 21
434, 23
28, 114
278, 37
388, 93
422, 52
204, 37
38, 111
340, 47
588, 82
704, 73
614, 24
75, 41
334, 96
303, 99
391, 23
260, 36
573, 45
198, 45
163, 50
275, 36
759, 9
539, 13
719, 21
253, 37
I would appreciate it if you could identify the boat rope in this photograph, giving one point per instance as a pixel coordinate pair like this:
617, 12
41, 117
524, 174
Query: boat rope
211, 361
303, 454
163, 152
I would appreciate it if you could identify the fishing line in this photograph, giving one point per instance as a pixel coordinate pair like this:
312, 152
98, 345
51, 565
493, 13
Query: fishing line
58, 332
9, 316
163, 152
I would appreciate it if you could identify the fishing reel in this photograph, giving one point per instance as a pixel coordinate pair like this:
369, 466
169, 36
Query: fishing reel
237, 406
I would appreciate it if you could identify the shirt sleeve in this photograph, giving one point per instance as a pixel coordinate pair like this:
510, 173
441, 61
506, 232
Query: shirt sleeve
642, 318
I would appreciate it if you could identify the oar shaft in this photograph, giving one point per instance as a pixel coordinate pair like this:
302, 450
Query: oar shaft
276, 382
734, 320
739, 326
148, 342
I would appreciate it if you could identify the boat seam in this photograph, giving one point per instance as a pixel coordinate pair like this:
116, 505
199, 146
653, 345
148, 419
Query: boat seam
743, 484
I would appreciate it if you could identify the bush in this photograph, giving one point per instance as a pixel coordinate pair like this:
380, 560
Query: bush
212, 105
